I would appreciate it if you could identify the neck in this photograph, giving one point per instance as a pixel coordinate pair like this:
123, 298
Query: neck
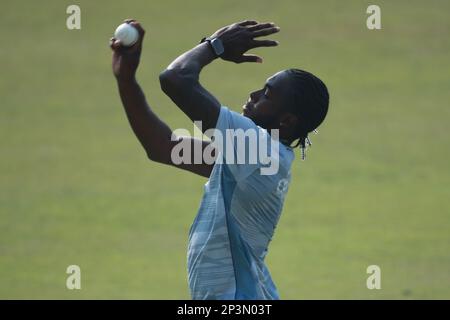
287, 141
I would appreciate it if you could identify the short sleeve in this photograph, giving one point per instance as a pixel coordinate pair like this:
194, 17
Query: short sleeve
242, 146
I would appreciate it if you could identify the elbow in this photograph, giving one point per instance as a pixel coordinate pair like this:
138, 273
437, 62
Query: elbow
173, 80
154, 156
169, 79
150, 156
157, 156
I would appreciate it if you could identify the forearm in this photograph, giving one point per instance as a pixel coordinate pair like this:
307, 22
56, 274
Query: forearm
190, 63
152, 133
180, 81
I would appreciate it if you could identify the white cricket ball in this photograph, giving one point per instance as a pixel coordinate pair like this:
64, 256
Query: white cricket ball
127, 34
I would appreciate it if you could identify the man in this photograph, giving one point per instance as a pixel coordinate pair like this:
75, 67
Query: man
240, 208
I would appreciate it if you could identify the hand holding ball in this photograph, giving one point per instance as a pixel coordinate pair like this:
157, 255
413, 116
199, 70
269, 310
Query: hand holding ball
127, 34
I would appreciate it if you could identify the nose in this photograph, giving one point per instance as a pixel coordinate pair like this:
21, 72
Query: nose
254, 96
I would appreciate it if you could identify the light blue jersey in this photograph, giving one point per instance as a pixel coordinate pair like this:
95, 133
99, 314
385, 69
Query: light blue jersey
229, 237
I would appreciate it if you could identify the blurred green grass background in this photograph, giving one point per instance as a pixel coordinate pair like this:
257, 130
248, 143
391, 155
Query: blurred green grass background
76, 187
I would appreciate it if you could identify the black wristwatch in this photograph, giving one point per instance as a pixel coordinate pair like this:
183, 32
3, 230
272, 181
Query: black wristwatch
216, 45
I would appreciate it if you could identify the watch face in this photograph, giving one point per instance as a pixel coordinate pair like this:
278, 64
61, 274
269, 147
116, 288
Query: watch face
217, 46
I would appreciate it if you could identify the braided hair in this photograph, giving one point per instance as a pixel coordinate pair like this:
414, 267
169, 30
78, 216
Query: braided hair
309, 103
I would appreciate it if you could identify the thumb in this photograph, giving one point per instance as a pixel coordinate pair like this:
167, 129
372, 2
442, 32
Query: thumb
250, 58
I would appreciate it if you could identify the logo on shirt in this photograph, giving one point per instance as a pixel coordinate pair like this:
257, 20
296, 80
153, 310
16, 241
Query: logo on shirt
282, 187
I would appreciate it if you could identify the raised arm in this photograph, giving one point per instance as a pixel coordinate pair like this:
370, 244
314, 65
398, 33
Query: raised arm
180, 81
153, 134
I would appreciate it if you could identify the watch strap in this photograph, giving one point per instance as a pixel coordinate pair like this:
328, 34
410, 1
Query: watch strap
209, 40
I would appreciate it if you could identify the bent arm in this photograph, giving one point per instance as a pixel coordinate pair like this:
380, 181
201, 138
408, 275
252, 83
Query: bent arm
154, 135
180, 81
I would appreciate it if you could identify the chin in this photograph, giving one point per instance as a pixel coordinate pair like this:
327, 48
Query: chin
245, 113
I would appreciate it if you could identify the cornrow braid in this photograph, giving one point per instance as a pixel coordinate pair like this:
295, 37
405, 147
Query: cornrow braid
304, 142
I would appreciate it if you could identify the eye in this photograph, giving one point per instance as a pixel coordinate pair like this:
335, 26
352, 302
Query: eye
266, 93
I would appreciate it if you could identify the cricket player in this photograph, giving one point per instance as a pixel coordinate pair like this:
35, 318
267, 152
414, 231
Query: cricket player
240, 208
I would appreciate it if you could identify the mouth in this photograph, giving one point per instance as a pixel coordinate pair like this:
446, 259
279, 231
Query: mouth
247, 108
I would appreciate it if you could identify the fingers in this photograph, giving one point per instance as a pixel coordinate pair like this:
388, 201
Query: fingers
264, 43
247, 23
249, 58
137, 25
261, 26
265, 32
114, 44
